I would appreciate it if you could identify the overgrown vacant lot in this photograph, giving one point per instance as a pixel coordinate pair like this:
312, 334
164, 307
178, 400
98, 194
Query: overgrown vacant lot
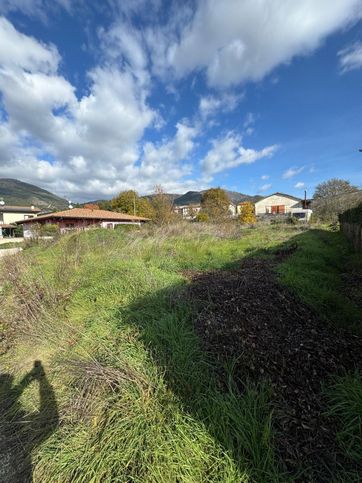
191, 353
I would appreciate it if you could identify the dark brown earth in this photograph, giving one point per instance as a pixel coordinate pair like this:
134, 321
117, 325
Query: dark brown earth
246, 315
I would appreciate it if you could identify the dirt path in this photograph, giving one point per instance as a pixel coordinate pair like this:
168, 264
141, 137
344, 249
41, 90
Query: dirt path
246, 315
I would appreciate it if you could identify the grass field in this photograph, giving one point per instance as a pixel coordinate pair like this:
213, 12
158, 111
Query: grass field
130, 395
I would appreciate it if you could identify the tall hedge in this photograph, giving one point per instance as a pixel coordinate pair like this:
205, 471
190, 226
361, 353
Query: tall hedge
353, 215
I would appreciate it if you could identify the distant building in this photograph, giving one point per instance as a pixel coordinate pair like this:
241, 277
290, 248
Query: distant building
188, 212
233, 209
276, 204
10, 214
80, 219
283, 204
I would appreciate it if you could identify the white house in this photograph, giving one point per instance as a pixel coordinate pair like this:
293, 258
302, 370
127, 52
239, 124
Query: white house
10, 214
187, 212
277, 203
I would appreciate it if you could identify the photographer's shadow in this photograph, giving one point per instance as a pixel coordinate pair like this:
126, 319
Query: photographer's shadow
21, 432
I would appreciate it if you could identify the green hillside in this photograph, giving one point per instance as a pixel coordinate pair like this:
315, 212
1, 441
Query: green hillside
15, 192
194, 197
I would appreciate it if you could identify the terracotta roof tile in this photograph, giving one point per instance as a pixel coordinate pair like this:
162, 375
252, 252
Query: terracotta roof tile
84, 213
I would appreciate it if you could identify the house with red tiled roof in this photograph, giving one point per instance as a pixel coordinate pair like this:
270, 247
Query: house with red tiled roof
80, 219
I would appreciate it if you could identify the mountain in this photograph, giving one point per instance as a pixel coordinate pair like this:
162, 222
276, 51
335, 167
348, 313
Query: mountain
15, 192
194, 197
171, 196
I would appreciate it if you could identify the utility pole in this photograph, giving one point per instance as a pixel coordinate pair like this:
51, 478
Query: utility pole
134, 204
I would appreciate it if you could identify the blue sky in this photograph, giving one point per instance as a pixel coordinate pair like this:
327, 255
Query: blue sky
256, 97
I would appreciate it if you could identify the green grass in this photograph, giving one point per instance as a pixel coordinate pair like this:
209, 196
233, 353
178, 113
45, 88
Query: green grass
4, 246
314, 273
137, 398
345, 399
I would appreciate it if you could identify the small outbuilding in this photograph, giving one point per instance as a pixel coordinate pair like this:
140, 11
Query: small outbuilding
80, 219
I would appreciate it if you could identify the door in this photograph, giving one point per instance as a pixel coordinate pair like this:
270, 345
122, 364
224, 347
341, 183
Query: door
278, 209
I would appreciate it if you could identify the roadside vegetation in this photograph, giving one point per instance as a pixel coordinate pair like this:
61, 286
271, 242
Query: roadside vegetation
138, 398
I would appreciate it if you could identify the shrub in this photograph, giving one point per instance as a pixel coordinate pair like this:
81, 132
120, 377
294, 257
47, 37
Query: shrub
247, 213
48, 230
126, 227
202, 217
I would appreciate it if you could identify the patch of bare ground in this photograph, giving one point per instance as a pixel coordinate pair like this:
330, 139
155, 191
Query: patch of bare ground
245, 315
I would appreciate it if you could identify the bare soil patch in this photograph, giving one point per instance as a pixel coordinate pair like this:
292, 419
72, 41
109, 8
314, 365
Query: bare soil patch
247, 316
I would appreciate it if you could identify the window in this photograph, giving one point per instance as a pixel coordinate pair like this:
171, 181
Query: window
1, 217
300, 216
26, 217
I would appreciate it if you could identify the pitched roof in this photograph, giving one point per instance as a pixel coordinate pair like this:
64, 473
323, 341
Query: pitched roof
84, 213
18, 209
280, 194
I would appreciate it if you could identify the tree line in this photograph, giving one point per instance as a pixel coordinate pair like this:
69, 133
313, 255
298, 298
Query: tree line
330, 198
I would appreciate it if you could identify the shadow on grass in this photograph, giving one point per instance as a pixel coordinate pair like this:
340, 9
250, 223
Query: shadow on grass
20, 432
238, 414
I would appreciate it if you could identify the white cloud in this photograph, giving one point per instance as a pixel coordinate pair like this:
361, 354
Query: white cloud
124, 44
228, 152
34, 8
264, 188
210, 105
21, 51
87, 147
161, 163
92, 142
239, 40
264, 177
350, 58
289, 173
299, 185
249, 122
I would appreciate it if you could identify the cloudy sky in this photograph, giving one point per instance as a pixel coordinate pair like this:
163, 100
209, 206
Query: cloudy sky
254, 96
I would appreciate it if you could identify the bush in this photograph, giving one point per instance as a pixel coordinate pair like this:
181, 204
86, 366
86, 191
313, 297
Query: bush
202, 217
18, 231
48, 230
247, 213
126, 227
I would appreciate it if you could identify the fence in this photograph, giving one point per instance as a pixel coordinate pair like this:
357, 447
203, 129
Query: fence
351, 226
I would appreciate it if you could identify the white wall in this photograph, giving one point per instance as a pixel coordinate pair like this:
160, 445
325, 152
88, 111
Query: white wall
262, 206
104, 224
10, 218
